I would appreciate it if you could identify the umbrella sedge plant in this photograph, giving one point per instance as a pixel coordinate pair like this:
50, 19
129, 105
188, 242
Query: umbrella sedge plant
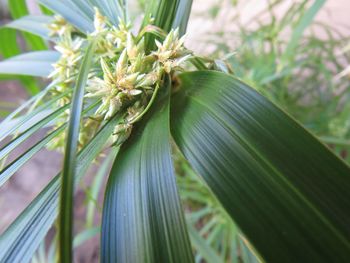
135, 89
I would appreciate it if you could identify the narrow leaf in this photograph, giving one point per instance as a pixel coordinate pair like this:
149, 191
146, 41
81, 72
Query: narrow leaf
4, 151
20, 240
28, 120
38, 64
37, 25
10, 169
69, 162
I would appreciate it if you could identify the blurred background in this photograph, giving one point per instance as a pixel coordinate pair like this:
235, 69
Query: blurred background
296, 53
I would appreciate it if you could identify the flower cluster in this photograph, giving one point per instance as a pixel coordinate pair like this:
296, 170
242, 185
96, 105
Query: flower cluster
125, 76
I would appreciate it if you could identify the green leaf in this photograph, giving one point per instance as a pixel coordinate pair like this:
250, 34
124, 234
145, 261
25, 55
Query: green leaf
304, 22
167, 15
286, 191
182, 15
95, 189
38, 64
18, 8
37, 25
4, 151
204, 249
70, 156
20, 240
10, 48
28, 120
71, 13
84, 236
24, 106
142, 217
112, 9
11, 168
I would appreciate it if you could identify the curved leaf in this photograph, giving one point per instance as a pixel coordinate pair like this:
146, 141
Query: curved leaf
142, 216
38, 64
36, 25
286, 191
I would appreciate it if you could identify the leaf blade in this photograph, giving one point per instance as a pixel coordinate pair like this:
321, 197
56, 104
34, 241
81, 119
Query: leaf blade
37, 64
24, 235
69, 11
36, 25
240, 143
142, 217
68, 173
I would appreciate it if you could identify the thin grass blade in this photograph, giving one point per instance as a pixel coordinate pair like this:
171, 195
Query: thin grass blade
70, 157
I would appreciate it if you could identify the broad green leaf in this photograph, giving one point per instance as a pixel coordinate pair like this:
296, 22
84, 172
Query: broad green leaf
71, 13
38, 64
286, 191
18, 8
36, 25
142, 217
20, 240
70, 158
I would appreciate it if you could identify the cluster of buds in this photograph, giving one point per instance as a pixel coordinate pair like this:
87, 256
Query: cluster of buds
66, 68
125, 77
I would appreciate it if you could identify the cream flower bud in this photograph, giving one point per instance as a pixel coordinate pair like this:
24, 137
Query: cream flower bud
122, 64
99, 21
